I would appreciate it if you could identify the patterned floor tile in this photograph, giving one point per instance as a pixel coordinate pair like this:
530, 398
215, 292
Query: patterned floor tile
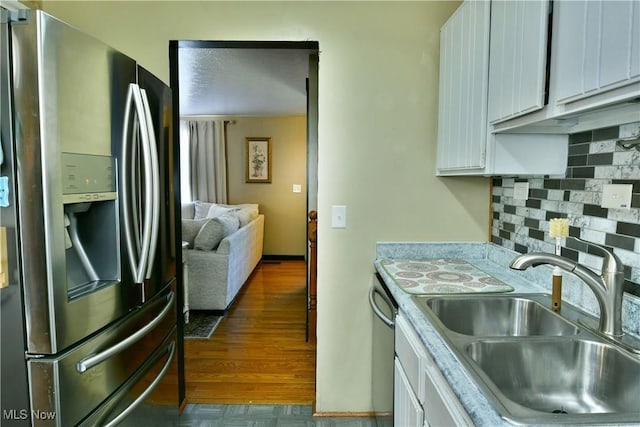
263, 416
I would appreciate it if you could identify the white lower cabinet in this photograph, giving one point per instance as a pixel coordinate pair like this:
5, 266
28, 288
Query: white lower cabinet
421, 395
407, 411
441, 406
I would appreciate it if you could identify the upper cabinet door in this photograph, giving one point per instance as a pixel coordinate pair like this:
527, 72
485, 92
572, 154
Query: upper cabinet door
464, 67
517, 58
598, 47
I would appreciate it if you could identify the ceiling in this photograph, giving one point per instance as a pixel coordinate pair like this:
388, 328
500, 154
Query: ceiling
216, 81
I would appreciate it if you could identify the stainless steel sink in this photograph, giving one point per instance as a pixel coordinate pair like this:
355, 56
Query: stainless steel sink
566, 376
537, 366
498, 316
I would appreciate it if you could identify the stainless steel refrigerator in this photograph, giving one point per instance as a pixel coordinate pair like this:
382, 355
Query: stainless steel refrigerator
87, 230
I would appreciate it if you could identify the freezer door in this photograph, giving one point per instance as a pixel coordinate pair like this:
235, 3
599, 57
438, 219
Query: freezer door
149, 397
14, 404
69, 97
72, 385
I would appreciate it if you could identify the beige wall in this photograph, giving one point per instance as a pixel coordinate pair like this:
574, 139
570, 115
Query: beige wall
378, 92
32, 4
285, 227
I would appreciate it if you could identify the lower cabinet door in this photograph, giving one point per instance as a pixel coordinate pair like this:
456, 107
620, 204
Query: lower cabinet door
407, 411
441, 406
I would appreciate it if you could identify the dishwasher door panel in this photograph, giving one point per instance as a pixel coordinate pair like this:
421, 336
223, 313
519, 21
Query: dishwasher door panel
382, 354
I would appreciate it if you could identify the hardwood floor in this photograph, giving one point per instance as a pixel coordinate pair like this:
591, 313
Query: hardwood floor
258, 353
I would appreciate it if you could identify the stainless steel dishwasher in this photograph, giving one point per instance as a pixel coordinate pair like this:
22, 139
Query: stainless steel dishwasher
384, 309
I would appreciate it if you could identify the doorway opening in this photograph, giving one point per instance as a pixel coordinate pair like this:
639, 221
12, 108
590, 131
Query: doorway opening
264, 91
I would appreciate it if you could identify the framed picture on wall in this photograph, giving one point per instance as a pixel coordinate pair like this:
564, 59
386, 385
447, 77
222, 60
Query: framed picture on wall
258, 159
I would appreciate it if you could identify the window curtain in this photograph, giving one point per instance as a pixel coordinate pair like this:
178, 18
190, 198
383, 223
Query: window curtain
207, 160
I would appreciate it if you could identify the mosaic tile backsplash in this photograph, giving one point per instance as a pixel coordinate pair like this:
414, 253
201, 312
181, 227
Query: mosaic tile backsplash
594, 160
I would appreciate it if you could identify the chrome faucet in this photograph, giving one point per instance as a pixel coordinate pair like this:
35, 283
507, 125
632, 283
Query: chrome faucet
607, 287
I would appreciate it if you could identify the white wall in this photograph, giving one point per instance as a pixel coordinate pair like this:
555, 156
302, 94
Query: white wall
378, 83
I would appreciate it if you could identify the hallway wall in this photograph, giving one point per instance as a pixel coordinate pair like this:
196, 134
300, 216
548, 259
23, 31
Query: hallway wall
285, 211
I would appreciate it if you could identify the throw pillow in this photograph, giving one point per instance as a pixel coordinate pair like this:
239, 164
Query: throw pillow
244, 216
201, 209
217, 210
209, 210
188, 210
214, 230
190, 229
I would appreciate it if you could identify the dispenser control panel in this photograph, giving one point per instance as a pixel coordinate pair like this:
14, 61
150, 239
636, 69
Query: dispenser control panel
87, 178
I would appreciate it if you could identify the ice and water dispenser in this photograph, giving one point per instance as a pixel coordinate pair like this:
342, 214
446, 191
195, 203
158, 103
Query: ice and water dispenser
92, 249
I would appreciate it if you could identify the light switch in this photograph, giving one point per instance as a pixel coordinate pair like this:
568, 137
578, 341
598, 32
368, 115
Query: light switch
297, 188
521, 190
338, 216
616, 196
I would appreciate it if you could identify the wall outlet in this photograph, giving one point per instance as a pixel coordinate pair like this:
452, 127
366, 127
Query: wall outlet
616, 196
521, 190
297, 188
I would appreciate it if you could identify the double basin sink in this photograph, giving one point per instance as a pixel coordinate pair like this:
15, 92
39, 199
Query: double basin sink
537, 366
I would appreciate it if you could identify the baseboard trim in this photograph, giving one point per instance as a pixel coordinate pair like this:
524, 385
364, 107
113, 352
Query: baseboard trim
343, 414
215, 312
282, 257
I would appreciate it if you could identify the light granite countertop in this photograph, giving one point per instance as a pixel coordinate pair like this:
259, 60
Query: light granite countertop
494, 260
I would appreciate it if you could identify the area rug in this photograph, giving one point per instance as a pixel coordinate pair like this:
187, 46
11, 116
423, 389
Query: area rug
201, 324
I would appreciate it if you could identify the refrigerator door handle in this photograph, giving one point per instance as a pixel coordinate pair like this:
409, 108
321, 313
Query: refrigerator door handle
126, 203
148, 187
90, 361
155, 172
137, 261
171, 348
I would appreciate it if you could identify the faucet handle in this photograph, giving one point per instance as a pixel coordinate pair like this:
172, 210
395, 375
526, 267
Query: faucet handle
611, 263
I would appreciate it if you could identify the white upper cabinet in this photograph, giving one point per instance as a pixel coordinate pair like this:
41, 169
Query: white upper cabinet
464, 68
598, 50
467, 144
516, 77
517, 58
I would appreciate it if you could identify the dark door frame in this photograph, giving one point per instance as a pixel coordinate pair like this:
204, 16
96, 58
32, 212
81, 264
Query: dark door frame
312, 132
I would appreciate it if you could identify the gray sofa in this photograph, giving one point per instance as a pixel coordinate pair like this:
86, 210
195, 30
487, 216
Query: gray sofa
225, 245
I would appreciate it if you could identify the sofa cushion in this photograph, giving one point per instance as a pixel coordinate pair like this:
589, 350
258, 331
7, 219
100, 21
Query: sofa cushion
190, 229
246, 212
250, 207
214, 230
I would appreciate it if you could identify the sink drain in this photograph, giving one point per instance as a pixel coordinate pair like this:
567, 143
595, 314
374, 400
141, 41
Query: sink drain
559, 411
